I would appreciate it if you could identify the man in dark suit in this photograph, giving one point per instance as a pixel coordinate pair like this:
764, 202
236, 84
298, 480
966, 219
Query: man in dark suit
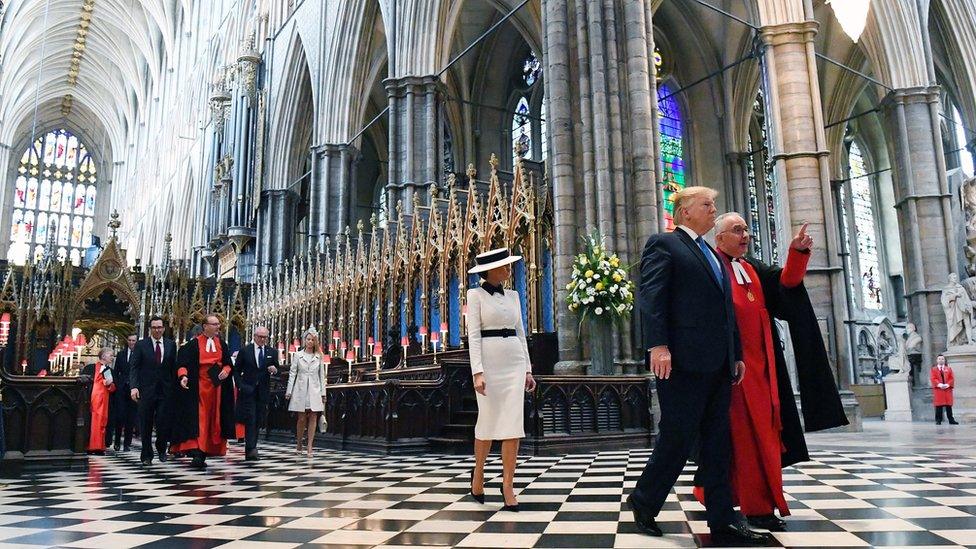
122, 411
152, 379
255, 365
690, 333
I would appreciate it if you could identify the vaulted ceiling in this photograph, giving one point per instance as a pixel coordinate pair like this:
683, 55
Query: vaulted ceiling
89, 65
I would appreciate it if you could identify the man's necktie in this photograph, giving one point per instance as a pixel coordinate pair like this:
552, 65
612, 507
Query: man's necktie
159, 354
260, 358
710, 257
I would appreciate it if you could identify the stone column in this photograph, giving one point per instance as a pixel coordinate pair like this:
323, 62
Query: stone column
799, 155
281, 205
922, 198
602, 124
414, 137
331, 190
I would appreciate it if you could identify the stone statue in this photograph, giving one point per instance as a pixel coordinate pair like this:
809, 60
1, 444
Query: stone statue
958, 309
913, 351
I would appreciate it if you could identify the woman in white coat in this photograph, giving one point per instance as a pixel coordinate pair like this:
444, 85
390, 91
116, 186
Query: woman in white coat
306, 388
500, 368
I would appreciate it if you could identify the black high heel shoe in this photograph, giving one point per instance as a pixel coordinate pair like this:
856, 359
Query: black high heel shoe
506, 507
480, 498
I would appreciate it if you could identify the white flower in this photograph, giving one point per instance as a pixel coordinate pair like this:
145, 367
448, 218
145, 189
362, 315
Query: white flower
591, 290
614, 288
621, 307
596, 276
598, 310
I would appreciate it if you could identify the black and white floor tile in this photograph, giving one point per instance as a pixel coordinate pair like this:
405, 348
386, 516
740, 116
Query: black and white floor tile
843, 498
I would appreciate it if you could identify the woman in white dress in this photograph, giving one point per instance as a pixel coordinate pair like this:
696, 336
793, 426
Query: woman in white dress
500, 368
306, 388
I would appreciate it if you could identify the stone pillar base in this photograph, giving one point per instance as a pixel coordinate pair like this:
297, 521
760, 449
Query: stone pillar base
898, 401
963, 362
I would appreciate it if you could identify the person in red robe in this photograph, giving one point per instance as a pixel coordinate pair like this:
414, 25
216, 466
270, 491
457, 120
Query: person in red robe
103, 385
765, 426
942, 383
204, 401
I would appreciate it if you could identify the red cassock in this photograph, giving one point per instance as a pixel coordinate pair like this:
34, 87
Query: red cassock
942, 397
99, 409
756, 473
208, 440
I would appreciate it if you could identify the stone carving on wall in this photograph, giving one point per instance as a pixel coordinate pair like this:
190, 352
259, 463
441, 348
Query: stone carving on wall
968, 196
958, 307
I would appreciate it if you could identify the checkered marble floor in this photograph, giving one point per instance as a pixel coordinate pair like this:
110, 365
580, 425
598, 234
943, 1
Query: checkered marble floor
342, 499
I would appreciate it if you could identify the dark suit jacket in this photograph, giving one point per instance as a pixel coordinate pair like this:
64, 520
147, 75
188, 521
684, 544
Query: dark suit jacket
153, 379
252, 379
683, 305
122, 373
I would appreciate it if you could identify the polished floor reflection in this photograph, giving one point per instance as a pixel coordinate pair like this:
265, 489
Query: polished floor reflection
893, 485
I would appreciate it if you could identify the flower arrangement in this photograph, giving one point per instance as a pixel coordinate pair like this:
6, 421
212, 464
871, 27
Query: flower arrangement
599, 283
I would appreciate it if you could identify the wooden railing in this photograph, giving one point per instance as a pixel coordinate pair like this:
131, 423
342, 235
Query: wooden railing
428, 406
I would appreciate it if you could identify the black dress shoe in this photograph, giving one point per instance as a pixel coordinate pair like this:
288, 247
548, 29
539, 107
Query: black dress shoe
117, 447
251, 456
953, 422
644, 521
739, 533
147, 462
511, 508
163, 458
767, 522
198, 463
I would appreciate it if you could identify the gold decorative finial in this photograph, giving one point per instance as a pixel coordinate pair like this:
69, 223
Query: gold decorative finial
451, 181
114, 224
374, 220
360, 225
493, 161
472, 173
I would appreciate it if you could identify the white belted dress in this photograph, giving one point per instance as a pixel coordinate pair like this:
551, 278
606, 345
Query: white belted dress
503, 360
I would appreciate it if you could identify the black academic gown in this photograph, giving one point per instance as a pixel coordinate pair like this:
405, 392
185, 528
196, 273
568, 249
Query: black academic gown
186, 421
820, 400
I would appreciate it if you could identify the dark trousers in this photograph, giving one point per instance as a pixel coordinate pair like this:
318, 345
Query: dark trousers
948, 412
152, 412
694, 407
256, 410
122, 416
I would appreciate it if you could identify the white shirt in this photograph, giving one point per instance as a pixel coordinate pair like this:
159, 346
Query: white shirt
694, 236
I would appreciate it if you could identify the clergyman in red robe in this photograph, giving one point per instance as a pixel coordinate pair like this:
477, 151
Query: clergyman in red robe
765, 426
103, 385
204, 399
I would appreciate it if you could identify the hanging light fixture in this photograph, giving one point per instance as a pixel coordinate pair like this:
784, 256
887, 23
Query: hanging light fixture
852, 15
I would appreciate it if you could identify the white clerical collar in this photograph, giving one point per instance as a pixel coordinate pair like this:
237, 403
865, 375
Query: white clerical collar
739, 271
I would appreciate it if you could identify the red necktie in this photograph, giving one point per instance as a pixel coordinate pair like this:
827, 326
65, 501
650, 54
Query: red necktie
159, 354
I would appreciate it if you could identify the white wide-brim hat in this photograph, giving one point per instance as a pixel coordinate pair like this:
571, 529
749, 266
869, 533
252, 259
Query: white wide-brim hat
495, 258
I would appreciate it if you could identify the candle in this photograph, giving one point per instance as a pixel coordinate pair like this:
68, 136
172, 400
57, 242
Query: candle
335, 334
405, 341
343, 347
350, 357
355, 343
378, 350
443, 326
434, 340
369, 341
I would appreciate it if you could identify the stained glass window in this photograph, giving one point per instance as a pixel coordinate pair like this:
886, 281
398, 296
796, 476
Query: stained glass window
762, 188
531, 69
865, 229
962, 140
671, 127
529, 139
48, 202
521, 131
755, 228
